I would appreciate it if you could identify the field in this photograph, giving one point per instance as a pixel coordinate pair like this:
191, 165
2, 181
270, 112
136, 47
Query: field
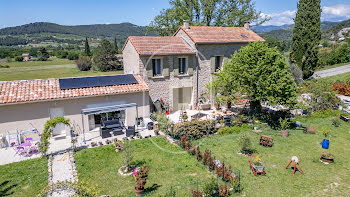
53, 68
172, 167
21, 179
319, 179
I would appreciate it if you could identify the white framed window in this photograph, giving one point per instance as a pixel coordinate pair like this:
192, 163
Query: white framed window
183, 66
218, 63
157, 67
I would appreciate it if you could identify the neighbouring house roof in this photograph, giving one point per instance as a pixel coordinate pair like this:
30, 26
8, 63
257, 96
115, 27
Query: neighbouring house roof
49, 89
212, 34
159, 45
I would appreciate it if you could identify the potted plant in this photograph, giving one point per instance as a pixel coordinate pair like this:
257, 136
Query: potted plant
284, 123
325, 141
141, 179
327, 157
258, 165
118, 147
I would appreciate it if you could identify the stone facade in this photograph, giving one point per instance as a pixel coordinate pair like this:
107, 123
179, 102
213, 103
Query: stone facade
163, 87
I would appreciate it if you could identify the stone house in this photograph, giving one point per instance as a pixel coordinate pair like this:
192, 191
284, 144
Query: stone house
177, 68
28, 104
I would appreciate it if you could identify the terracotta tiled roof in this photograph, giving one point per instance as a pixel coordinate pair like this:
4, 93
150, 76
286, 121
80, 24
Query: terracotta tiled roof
211, 34
159, 45
49, 89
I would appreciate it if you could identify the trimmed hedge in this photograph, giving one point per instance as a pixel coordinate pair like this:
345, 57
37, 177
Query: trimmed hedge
194, 130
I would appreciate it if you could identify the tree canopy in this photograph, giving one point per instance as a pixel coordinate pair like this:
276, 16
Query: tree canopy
205, 12
261, 73
104, 57
87, 51
306, 36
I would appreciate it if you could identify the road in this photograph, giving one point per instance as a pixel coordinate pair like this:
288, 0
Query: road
332, 71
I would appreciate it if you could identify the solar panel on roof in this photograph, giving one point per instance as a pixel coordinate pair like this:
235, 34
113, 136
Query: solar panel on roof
86, 82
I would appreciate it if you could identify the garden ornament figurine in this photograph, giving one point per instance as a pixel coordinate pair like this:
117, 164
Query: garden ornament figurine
295, 160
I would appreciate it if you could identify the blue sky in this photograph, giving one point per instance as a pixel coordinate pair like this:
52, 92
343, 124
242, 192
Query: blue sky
140, 12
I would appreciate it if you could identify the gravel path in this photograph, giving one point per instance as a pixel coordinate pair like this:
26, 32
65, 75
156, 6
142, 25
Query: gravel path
62, 169
332, 71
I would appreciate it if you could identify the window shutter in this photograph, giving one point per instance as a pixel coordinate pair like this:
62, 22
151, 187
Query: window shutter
165, 67
149, 69
212, 64
191, 64
176, 66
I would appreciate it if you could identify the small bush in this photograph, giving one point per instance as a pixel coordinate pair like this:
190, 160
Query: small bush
83, 63
245, 142
194, 130
229, 130
336, 122
210, 188
4, 66
342, 88
164, 123
73, 56
19, 59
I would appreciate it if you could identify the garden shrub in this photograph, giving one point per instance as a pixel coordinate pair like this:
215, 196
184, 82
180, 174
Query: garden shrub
322, 96
336, 122
83, 63
210, 188
73, 56
229, 130
164, 123
326, 113
18, 58
342, 88
195, 129
245, 141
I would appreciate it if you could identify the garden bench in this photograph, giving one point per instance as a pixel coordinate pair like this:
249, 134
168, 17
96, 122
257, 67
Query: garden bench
266, 140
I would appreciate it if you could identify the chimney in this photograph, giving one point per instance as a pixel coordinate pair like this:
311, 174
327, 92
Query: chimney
247, 25
186, 24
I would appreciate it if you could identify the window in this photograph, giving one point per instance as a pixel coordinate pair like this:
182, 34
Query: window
157, 67
182, 66
218, 63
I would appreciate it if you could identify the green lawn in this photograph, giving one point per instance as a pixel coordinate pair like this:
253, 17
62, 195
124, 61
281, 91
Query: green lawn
54, 68
26, 178
171, 167
340, 77
319, 179
332, 66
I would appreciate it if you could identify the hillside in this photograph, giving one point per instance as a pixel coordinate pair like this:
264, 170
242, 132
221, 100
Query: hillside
336, 29
51, 32
287, 32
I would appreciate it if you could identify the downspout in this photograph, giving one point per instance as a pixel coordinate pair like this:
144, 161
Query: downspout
197, 78
82, 119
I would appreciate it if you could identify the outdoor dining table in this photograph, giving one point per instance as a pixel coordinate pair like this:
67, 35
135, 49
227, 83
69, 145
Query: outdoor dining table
26, 144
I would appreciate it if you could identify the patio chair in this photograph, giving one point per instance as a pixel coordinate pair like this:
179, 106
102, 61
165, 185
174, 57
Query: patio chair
130, 131
33, 149
20, 150
29, 139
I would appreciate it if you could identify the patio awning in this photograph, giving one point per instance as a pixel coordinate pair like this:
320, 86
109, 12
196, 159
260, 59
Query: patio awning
106, 109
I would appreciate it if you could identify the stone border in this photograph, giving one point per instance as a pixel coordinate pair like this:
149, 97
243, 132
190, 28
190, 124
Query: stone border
120, 171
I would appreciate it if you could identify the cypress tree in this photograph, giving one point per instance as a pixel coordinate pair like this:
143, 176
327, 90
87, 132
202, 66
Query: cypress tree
87, 48
115, 45
306, 36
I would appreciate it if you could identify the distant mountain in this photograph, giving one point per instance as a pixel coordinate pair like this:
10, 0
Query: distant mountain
334, 30
285, 32
268, 28
120, 31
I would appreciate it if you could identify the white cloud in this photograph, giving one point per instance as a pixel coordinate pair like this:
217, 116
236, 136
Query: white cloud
336, 12
281, 18
108, 23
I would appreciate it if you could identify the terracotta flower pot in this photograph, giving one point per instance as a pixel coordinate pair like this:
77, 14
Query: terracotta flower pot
284, 133
139, 192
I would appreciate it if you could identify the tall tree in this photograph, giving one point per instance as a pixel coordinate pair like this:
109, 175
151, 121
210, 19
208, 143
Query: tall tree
116, 45
261, 73
205, 12
43, 54
306, 36
104, 58
87, 51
